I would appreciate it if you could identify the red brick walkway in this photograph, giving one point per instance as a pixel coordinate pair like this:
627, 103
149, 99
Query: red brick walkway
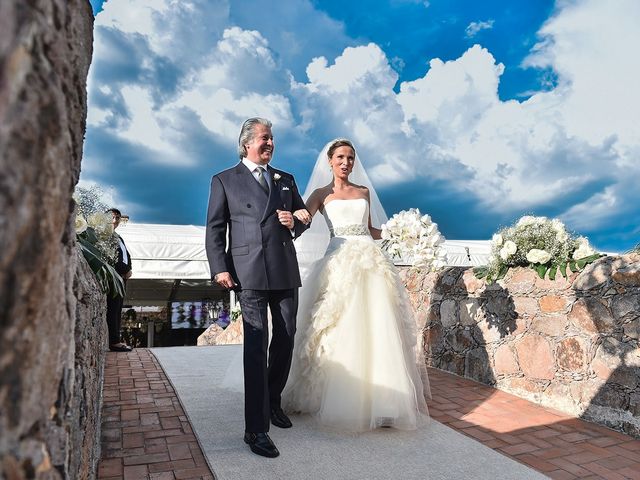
145, 433
147, 436
555, 444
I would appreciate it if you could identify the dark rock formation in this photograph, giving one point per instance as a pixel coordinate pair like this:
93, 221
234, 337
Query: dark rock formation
45, 51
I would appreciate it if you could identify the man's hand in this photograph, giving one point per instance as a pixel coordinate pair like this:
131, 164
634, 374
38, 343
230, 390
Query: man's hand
303, 216
286, 218
225, 280
127, 275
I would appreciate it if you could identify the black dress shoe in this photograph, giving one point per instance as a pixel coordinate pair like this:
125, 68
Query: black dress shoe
120, 347
261, 444
279, 419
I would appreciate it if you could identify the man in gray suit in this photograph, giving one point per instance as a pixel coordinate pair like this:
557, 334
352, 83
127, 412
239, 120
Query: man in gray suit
249, 241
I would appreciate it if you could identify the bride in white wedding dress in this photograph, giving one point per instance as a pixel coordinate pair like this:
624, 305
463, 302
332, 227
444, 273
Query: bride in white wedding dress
354, 366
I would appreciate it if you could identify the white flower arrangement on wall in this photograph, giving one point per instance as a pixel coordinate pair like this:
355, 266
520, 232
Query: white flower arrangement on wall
539, 243
97, 241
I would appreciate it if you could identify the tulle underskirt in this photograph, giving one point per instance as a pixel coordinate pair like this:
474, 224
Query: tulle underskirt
355, 366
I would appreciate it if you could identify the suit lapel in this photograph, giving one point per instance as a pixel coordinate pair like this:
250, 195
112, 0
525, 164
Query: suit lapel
274, 195
255, 191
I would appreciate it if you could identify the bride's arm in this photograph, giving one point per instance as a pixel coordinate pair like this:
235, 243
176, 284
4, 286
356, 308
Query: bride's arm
376, 233
313, 204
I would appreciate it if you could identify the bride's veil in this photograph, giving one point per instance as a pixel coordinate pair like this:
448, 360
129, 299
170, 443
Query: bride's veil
312, 245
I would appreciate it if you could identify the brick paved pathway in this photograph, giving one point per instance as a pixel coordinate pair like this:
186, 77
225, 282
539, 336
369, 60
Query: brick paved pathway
145, 433
551, 442
147, 436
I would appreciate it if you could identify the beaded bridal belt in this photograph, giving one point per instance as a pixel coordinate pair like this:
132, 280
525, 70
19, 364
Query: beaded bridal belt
356, 229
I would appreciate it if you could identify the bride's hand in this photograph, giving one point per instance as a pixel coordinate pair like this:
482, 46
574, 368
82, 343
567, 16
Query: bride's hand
303, 216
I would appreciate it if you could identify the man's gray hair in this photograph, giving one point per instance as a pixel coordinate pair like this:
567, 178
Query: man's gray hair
248, 132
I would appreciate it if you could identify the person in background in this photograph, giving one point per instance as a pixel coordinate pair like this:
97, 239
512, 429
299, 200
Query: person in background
114, 304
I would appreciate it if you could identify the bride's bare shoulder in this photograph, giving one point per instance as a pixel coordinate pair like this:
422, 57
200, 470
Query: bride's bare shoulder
321, 192
364, 191
317, 197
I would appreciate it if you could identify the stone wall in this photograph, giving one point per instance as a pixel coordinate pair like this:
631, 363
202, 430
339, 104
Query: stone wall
216, 335
45, 51
571, 344
82, 397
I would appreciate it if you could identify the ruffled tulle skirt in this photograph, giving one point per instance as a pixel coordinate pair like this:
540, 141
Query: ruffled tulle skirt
355, 366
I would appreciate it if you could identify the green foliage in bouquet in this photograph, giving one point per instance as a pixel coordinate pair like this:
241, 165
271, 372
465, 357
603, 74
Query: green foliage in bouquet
236, 312
94, 234
538, 243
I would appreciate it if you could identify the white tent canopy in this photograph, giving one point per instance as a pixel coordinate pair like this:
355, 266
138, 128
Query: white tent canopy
467, 253
169, 264
178, 252
166, 251
170, 261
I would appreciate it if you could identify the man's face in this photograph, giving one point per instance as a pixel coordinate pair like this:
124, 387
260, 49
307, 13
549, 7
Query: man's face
116, 220
260, 148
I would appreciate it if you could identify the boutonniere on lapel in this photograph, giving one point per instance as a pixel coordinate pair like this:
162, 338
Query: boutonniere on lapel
276, 177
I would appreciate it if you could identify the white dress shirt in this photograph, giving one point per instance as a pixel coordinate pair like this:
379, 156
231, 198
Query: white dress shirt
125, 257
253, 168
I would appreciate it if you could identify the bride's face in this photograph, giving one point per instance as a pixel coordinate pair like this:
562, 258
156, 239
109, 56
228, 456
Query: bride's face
341, 162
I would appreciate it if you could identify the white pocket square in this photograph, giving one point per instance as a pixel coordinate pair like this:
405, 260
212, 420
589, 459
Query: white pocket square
285, 188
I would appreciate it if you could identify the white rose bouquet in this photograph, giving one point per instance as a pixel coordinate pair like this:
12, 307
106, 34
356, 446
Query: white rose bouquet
539, 243
414, 237
94, 234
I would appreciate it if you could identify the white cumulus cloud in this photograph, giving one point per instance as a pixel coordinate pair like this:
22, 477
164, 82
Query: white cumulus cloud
164, 69
474, 27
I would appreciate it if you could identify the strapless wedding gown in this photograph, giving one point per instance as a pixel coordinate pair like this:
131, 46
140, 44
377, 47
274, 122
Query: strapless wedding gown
354, 364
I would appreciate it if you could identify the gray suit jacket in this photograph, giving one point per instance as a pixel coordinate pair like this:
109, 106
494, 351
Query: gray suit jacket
260, 254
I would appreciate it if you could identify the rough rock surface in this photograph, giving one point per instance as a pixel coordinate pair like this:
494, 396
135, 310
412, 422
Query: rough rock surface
45, 51
82, 420
572, 344
208, 337
216, 335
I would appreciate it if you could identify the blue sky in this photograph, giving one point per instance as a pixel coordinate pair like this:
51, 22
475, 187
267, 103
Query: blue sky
474, 112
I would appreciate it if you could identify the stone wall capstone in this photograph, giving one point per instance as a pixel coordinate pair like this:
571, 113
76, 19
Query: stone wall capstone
571, 344
216, 335
45, 52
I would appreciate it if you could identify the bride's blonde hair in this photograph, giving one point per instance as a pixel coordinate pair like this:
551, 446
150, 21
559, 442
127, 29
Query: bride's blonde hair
340, 142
